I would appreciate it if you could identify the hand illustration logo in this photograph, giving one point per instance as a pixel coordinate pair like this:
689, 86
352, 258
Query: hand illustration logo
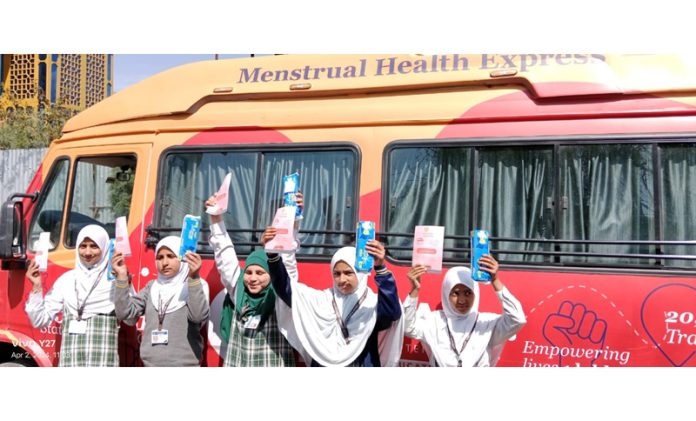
577, 333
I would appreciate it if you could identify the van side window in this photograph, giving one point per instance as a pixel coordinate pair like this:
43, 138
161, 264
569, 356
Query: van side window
428, 186
190, 178
102, 190
48, 215
514, 199
327, 180
608, 194
435, 186
562, 202
678, 197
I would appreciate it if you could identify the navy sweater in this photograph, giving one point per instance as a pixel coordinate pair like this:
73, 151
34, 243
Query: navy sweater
388, 305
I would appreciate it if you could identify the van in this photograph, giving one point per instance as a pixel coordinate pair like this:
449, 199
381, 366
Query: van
581, 167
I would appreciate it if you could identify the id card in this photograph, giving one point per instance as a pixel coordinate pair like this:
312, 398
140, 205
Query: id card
77, 327
253, 322
159, 337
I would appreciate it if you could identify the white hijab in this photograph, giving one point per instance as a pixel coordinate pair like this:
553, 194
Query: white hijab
174, 287
460, 325
101, 299
315, 321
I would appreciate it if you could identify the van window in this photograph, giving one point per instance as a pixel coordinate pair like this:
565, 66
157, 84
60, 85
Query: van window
514, 199
101, 192
678, 176
608, 195
190, 178
434, 186
428, 186
605, 203
327, 180
48, 215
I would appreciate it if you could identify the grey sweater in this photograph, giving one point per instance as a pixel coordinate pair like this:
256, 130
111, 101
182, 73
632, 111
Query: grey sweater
185, 346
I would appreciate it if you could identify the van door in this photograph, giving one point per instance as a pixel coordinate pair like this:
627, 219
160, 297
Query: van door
105, 182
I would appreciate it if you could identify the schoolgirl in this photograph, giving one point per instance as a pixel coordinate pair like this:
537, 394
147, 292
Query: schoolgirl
85, 296
175, 305
459, 335
346, 324
248, 326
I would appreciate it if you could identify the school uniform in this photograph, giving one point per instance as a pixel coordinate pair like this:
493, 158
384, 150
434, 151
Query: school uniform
249, 326
330, 328
175, 310
85, 296
452, 339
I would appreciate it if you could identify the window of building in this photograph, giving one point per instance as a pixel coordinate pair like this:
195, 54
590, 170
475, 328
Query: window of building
54, 82
42, 78
2, 72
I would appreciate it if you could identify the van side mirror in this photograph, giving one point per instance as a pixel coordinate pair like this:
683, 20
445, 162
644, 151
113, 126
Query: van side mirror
13, 250
123, 176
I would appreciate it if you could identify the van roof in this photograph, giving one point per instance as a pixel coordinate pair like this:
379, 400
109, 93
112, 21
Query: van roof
182, 89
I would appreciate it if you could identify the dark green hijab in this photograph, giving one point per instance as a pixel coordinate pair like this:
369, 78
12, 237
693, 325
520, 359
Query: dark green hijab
262, 303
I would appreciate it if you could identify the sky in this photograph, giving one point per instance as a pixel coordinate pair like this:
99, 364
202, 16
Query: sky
132, 68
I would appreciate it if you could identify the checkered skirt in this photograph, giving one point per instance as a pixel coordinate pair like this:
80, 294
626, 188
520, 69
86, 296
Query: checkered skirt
98, 347
268, 348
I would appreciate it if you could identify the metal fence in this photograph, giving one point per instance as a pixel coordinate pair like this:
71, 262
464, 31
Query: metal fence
17, 168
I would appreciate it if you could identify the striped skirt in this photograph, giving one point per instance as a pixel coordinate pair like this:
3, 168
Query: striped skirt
98, 347
268, 348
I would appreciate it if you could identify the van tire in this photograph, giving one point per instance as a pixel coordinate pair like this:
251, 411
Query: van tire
16, 363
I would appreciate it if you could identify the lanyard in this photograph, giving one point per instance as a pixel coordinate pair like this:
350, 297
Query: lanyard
341, 323
81, 308
162, 310
466, 341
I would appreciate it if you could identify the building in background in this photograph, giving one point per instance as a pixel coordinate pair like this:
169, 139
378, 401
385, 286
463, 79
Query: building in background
74, 81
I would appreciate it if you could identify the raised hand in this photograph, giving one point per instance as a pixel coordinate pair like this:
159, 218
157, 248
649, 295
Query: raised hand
299, 199
118, 265
194, 263
212, 201
377, 250
300, 204
414, 276
34, 276
268, 235
488, 264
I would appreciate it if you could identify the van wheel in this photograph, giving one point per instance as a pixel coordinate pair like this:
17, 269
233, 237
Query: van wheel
15, 364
